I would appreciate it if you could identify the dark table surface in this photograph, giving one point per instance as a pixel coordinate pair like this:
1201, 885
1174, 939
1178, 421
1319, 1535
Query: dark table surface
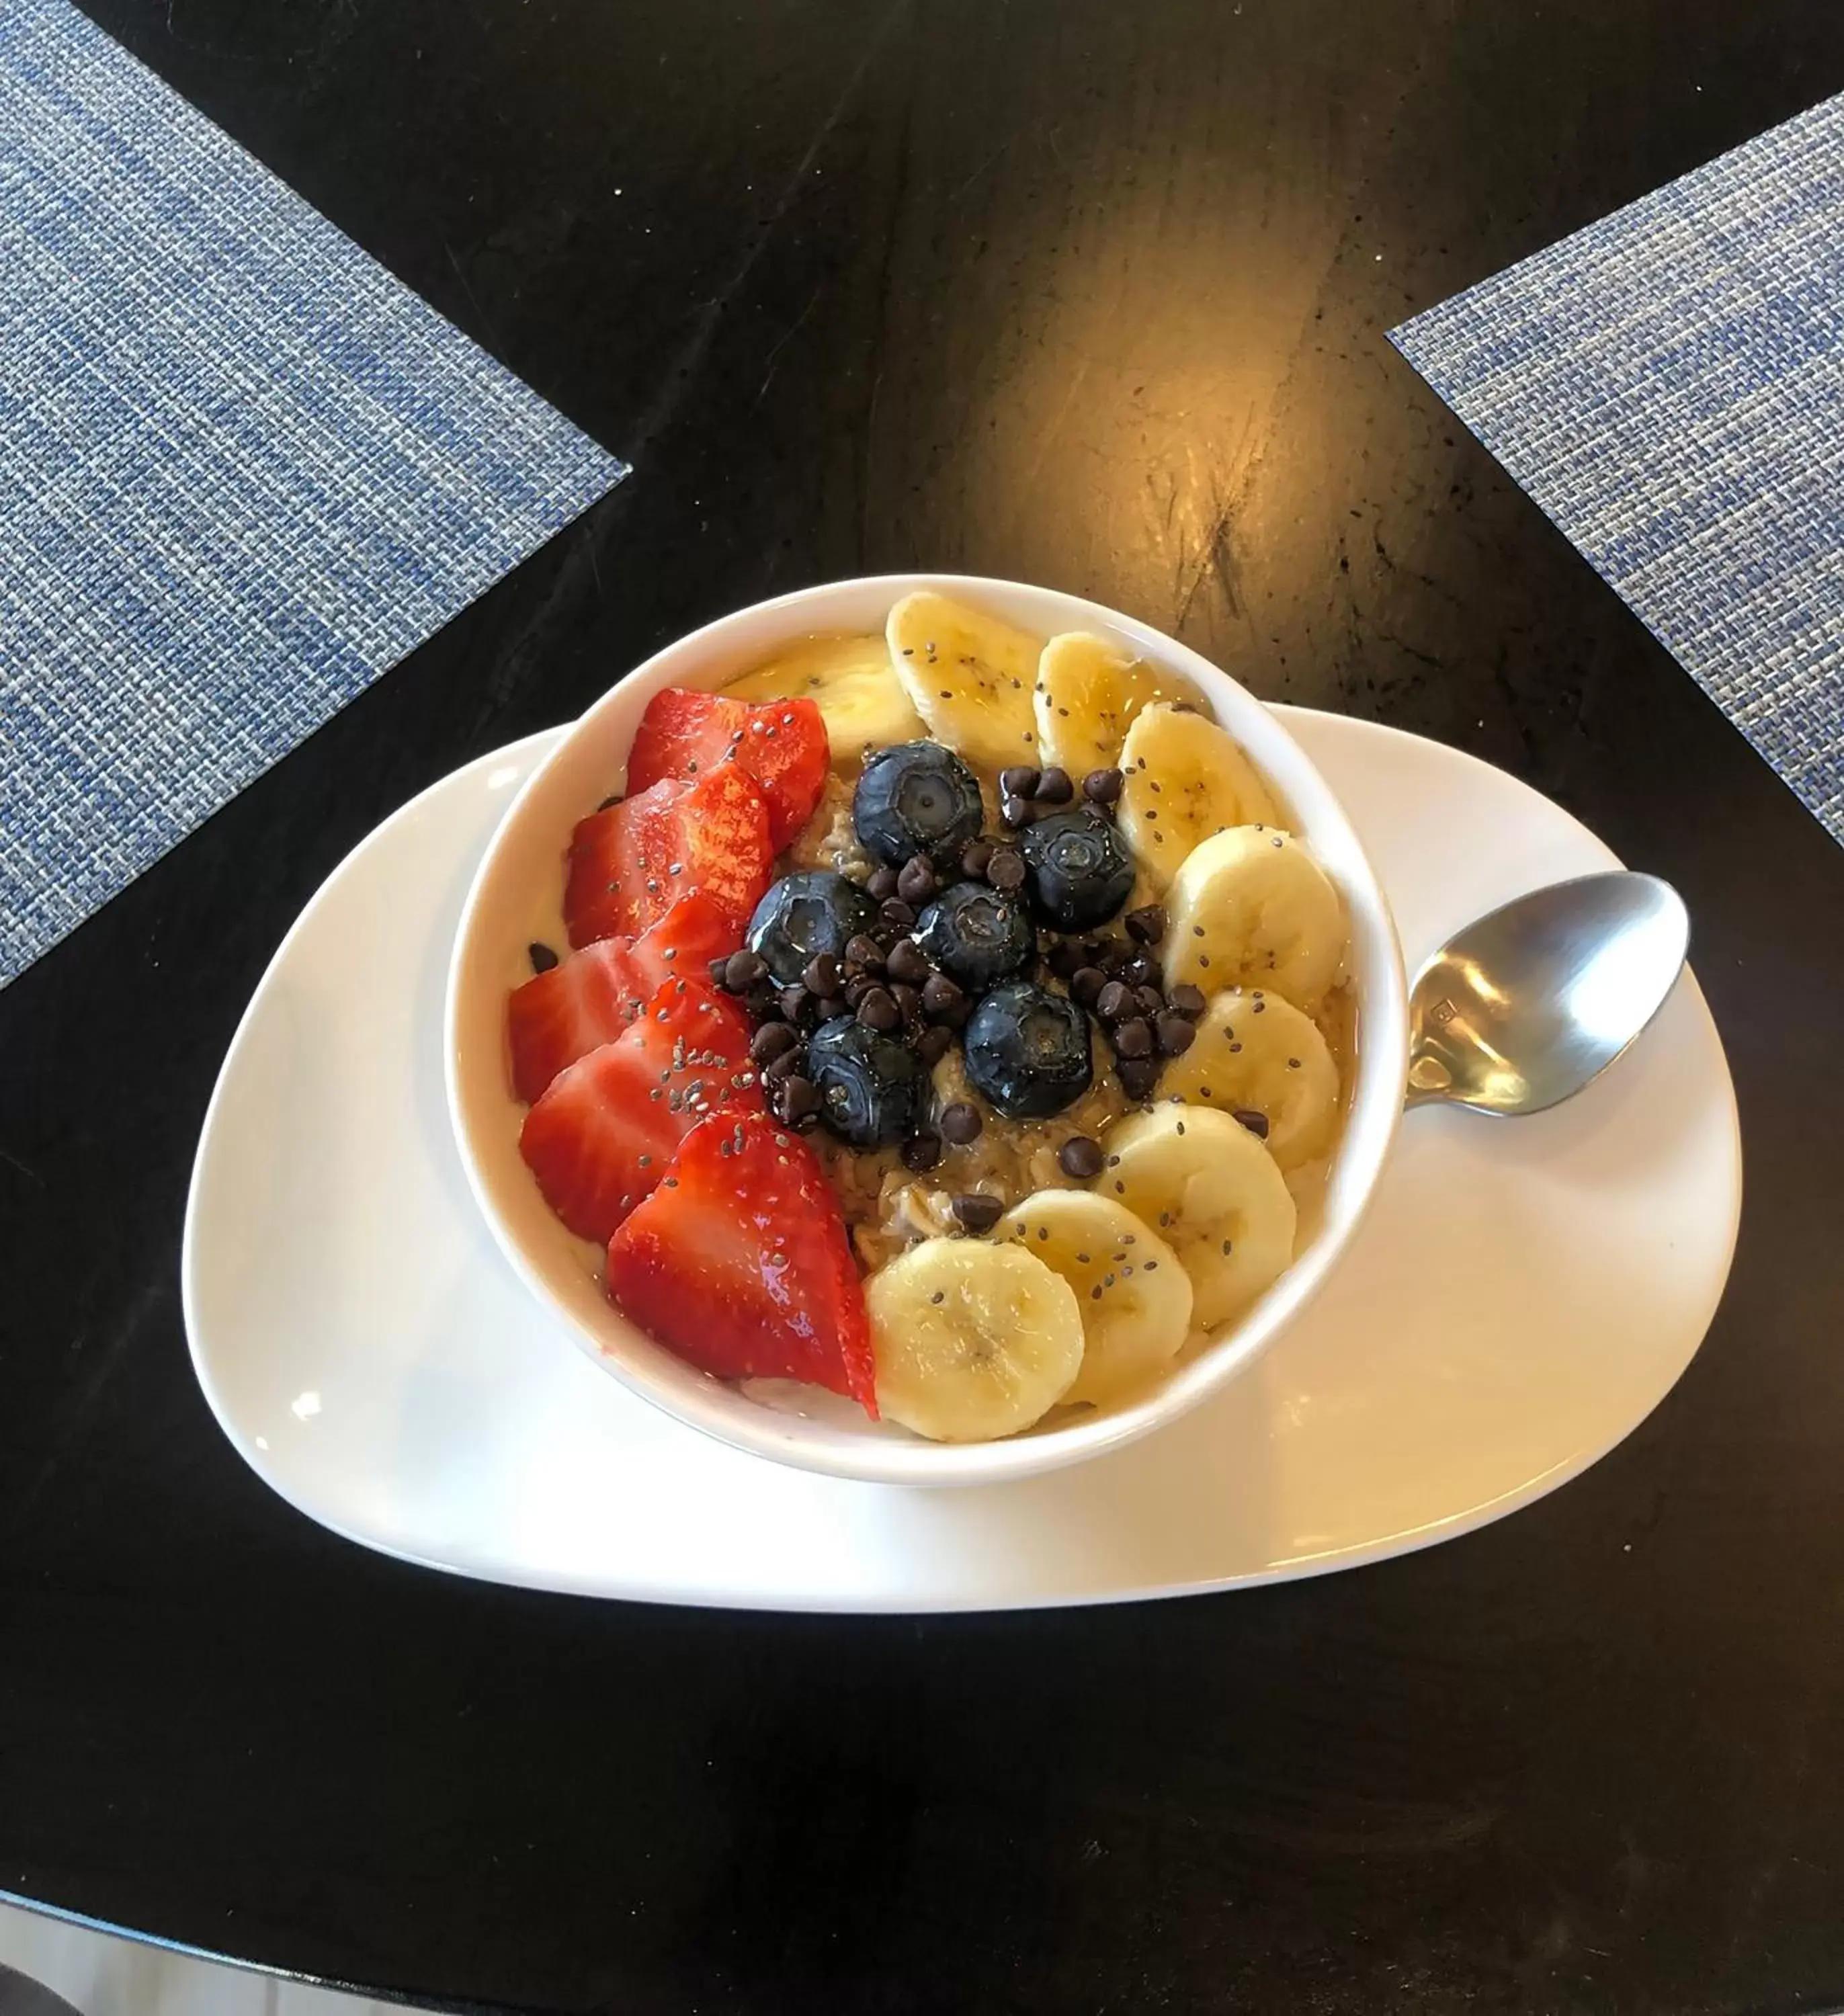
1088, 293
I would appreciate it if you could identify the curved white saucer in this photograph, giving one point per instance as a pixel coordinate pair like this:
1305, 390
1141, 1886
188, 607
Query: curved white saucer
1521, 1295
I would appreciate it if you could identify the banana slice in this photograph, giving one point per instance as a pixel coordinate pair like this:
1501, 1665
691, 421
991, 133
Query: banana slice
1186, 779
1251, 908
1255, 1052
969, 676
1134, 1297
972, 1342
1209, 1188
1088, 693
851, 681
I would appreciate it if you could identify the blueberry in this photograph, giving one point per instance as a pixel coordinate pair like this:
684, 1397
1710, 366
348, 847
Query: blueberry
1027, 1051
1081, 872
977, 934
871, 1086
805, 915
915, 798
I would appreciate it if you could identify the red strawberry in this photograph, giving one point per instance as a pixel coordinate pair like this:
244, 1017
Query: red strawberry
739, 1262
602, 1135
782, 744
587, 1001
628, 866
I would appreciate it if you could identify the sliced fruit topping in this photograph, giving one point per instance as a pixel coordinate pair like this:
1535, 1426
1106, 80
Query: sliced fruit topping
1081, 870
631, 862
600, 1138
917, 798
871, 1085
978, 934
739, 1262
571, 1008
1257, 1054
1182, 779
1088, 692
1028, 1050
1134, 1297
972, 1341
1204, 1183
782, 744
851, 681
804, 916
969, 676
1251, 908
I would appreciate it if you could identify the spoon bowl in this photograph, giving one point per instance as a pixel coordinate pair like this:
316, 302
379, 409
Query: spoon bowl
1533, 1001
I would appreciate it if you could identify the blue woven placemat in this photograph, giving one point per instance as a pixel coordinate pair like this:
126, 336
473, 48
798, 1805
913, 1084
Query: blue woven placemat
243, 471
1668, 386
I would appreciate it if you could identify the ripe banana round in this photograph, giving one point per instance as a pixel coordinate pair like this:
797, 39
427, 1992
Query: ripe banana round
1088, 692
1251, 908
1134, 1297
968, 675
851, 681
1209, 1188
1185, 779
972, 1341
1255, 1052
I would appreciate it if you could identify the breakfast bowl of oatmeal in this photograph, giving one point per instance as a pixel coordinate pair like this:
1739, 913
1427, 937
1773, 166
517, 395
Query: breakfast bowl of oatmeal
925, 1029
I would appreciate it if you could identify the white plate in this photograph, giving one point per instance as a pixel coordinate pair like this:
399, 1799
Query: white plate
1521, 1296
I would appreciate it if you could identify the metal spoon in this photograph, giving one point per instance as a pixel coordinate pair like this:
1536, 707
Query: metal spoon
1527, 1005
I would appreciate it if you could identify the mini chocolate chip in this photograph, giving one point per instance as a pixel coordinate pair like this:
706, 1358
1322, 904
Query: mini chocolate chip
960, 1123
1114, 1000
1016, 812
1111, 954
540, 955
1149, 1001
1017, 780
1140, 971
933, 1044
821, 975
908, 1001
878, 1010
882, 885
1138, 1076
1080, 1157
898, 913
1053, 787
905, 963
1134, 1039
1065, 959
1086, 985
1176, 1035
915, 881
798, 1005
921, 1151
773, 1040
742, 969
720, 971
795, 1099
857, 986
1256, 1123
977, 1213
865, 953
785, 1066
1102, 787
973, 857
940, 996
1148, 924
1187, 1000
1005, 869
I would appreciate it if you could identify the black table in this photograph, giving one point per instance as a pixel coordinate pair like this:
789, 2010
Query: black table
1070, 290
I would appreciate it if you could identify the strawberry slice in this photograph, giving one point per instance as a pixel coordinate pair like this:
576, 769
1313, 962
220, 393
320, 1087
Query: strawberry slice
629, 865
739, 1263
782, 744
603, 1134
576, 1007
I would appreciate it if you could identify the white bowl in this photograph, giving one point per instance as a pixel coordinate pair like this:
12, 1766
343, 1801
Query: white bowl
516, 897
